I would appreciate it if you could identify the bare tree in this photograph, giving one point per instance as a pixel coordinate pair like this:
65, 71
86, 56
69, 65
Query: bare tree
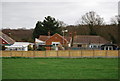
91, 18
114, 20
61, 23
118, 20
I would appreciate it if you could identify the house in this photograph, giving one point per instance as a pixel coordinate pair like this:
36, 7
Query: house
78, 41
88, 41
5, 39
55, 41
41, 40
10, 44
19, 46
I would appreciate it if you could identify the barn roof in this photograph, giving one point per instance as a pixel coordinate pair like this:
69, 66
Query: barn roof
5, 37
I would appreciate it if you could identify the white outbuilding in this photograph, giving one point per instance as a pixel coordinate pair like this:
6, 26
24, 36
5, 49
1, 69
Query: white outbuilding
19, 46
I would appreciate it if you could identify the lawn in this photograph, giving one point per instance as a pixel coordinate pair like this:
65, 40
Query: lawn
60, 68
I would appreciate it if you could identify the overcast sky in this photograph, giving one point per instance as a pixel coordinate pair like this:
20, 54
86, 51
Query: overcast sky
25, 13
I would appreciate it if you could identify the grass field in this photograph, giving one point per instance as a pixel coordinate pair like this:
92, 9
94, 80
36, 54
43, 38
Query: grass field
60, 68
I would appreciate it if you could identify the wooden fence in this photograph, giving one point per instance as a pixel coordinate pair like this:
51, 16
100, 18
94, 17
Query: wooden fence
62, 53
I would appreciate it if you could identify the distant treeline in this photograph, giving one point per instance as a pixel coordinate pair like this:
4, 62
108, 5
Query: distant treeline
109, 32
19, 34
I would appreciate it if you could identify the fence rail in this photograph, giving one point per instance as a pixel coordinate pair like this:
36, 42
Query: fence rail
62, 53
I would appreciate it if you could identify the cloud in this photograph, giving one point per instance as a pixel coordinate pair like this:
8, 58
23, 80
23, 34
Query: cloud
26, 14
119, 8
0, 15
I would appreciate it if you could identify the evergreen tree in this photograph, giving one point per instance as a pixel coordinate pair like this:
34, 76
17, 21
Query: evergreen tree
49, 24
39, 30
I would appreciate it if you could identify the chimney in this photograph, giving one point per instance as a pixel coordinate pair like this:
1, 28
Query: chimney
49, 34
75, 33
70, 34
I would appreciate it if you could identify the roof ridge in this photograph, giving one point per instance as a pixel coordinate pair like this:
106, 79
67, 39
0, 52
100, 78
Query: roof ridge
59, 35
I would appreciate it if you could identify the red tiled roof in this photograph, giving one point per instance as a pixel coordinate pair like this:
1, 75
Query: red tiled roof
44, 37
56, 34
89, 39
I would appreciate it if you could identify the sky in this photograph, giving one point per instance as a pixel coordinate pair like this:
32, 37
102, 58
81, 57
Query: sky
26, 13
119, 8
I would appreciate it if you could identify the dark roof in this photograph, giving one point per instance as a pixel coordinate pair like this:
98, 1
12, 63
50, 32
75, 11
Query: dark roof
7, 38
68, 38
109, 45
89, 39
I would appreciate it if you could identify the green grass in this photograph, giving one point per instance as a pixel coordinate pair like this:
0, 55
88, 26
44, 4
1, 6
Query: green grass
60, 68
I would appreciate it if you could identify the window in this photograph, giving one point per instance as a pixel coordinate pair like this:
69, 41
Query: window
106, 48
16, 49
94, 46
110, 48
56, 44
79, 45
98, 46
90, 46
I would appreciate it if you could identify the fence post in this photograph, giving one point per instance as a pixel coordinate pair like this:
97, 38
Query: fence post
118, 53
79, 55
69, 53
33, 54
10, 53
57, 53
106, 53
93, 53
81, 52
22, 53
45, 53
